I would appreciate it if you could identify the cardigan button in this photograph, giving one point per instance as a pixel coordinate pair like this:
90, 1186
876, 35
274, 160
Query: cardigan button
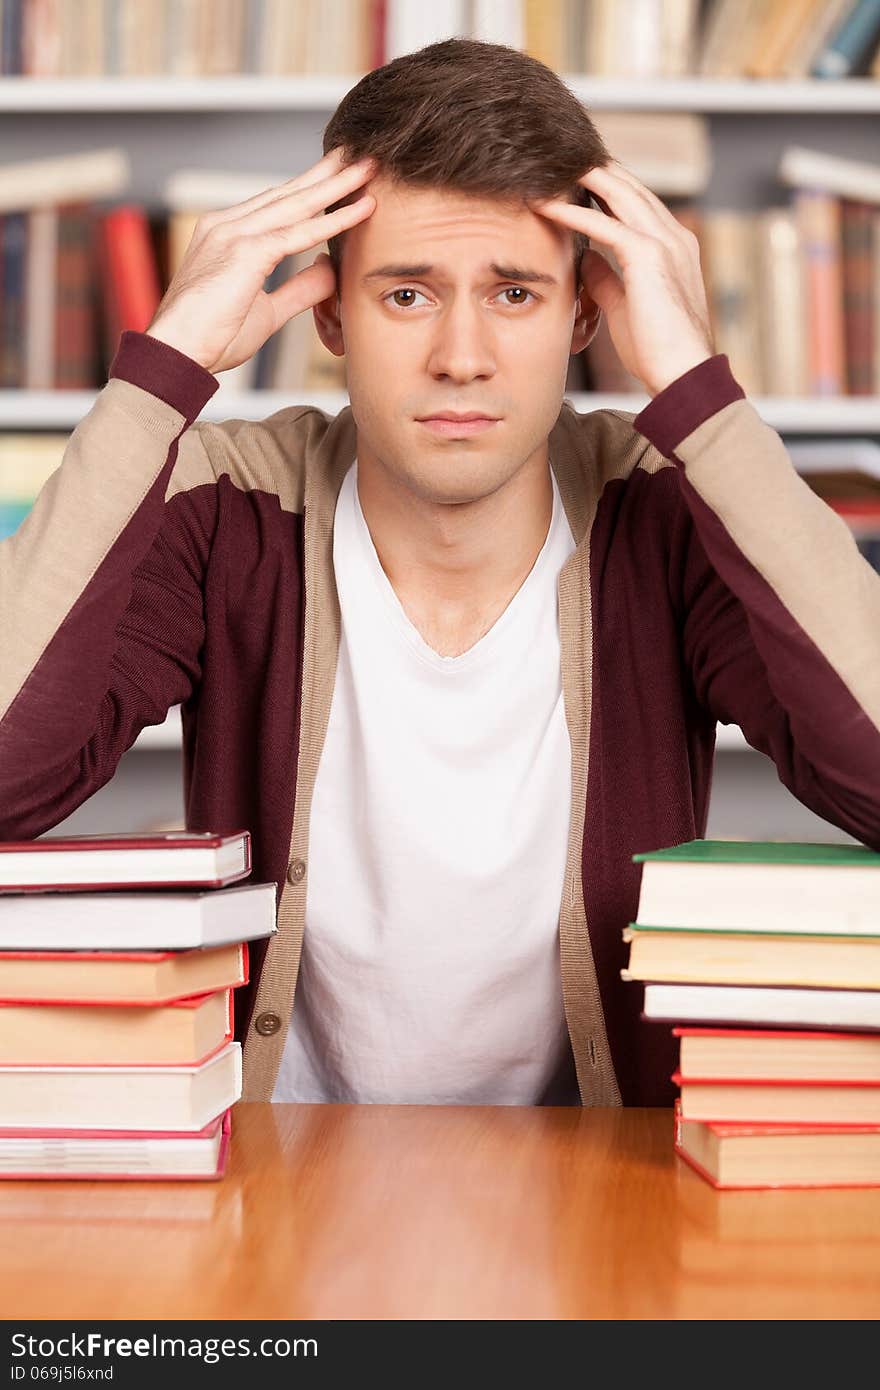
296, 871
267, 1024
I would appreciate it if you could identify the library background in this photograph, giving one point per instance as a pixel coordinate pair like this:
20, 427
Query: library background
756, 121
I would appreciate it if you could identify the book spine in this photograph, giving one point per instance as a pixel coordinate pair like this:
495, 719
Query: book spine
851, 44
858, 291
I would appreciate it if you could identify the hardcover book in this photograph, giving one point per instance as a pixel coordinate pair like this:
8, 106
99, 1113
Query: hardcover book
163, 920
761, 886
796, 1101
120, 1154
185, 1032
749, 1054
854, 1009
777, 1155
75, 862
752, 958
119, 977
132, 1097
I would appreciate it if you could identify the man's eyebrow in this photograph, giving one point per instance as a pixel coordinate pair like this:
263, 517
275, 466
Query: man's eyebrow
503, 272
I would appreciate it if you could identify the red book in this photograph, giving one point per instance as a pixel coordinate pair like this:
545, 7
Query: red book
166, 858
779, 1155
819, 224
781, 1101
184, 1032
128, 273
126, 1098
100, 1154
120, 977
778, 1054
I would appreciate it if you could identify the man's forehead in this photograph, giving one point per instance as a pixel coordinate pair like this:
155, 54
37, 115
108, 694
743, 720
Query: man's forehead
407, 220
444, 209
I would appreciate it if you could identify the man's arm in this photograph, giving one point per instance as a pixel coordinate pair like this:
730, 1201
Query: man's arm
805, 684
100, 593
800, 673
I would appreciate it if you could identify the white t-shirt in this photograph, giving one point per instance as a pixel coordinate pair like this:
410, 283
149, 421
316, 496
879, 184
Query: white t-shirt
430, 968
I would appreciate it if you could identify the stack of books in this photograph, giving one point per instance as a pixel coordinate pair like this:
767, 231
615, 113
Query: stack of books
766, 957
119, 956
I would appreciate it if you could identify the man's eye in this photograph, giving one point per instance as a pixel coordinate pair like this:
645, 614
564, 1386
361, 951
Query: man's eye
403, 291
407, 290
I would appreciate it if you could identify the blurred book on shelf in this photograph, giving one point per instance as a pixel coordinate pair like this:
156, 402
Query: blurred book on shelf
757, 39
793, 290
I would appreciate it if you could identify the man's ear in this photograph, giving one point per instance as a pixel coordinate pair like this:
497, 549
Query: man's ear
329, 324
586, 322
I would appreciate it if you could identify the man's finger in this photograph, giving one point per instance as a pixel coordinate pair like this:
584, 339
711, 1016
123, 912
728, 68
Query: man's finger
617, 175
598, 226
627, 203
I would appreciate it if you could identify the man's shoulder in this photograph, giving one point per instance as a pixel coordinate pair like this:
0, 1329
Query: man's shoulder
271, 455
603, 445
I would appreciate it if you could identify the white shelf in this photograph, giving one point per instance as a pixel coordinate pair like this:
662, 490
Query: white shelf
62, 410
729, 739
160, 736
297, 92
168, 735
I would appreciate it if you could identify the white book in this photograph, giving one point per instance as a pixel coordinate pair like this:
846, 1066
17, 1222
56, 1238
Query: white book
117, 1155
410, 24
144, 860
121, 1098
800, 167
499, 21
766, 1006
66, 178
193, 190
781, 303
841, 899
163, 921
669, 151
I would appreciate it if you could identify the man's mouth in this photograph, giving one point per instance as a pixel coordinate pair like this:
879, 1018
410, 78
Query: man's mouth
449, 423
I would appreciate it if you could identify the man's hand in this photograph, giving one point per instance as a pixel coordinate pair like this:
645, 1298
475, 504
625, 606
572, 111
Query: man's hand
215, 310
658, 315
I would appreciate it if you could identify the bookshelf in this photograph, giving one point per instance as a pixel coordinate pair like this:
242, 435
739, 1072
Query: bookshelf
47, 410
220, 121
249, 92
165, 736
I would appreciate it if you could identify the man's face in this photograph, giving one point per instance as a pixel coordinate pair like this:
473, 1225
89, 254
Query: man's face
448, 332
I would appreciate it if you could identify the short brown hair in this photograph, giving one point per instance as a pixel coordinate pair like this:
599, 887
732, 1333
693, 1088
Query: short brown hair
477, 117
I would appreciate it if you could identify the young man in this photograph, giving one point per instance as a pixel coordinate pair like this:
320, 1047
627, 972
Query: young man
452, 675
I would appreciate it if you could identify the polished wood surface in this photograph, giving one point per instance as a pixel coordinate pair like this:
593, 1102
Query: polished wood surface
372, 1211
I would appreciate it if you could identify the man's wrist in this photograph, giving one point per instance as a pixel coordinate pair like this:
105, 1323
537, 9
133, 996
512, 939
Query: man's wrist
675, 371
687, 402
175, 341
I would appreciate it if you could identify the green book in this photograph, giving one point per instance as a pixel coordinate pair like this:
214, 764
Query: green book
764, 852
760, 886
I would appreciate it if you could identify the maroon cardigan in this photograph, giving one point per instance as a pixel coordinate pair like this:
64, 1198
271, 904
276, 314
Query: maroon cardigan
166, 563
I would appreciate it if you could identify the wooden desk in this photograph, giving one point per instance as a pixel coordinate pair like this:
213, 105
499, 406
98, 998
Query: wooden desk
338, 1211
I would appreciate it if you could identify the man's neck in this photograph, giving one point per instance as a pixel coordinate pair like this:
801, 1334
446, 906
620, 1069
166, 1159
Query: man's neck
455, 568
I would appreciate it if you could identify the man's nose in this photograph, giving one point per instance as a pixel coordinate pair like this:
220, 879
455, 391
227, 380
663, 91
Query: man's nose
462, 346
